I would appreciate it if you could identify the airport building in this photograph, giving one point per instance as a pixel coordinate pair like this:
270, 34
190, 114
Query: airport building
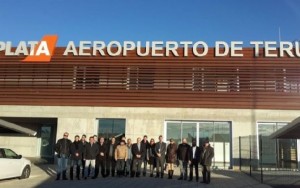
215, 98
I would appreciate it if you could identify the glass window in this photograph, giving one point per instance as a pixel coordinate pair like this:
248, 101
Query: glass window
218, 134
174, 131
10, 154
111, 127
189, 131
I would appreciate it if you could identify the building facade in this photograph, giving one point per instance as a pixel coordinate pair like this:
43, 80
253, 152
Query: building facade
215, 98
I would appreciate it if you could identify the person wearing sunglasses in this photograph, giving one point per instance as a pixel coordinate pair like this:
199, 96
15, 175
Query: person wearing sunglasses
62, 149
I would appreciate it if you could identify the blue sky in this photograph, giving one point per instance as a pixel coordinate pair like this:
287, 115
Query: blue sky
149, 20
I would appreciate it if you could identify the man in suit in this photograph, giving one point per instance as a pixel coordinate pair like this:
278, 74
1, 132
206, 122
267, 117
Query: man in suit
138, 153
160, 150
110, 159
194, 160
206, 161
101, 158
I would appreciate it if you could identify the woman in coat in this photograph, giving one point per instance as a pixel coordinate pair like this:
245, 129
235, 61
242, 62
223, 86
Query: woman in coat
151, 156
171, 157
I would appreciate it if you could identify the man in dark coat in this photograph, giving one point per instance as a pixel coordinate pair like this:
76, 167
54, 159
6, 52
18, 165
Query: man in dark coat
76, 155
183, 158
145, 145
194, 160
90, 152
62, 148
110, 157
138, 152
160, 150
101, 158
206, 161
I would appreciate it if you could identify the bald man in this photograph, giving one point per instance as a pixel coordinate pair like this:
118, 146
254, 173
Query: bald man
183, 158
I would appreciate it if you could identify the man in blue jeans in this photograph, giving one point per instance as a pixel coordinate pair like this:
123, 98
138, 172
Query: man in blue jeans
62, 148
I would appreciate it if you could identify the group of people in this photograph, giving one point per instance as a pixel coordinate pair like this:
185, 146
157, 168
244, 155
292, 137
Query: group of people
125, 158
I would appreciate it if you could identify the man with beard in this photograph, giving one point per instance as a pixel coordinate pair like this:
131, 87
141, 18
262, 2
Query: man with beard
206, 161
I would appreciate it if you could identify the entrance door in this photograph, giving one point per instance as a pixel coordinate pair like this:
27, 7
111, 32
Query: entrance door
47, 142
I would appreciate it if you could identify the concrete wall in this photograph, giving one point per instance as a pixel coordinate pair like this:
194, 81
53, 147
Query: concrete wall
141, 121
26, 146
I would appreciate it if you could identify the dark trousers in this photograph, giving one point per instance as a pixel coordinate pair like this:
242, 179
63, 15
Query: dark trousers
206, 173
136, 167
120, 167
74, 163
83, 165
194, 164
128, 166
152, 162
110, 166
160, 164
97, 166
145, 166
100, 164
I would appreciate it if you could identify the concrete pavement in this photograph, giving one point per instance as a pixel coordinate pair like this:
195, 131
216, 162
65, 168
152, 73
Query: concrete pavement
43, 176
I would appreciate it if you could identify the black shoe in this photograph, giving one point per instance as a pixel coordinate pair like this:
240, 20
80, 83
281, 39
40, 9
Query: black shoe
144, 173
151, 175
58, 177
180, 178
203, 182
85, 178
94, 177
190, 179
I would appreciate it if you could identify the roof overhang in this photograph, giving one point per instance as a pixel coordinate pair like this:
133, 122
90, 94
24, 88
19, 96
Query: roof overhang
290, 131
17, 128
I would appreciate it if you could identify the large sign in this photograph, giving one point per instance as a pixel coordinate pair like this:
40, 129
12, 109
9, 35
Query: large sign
42, 51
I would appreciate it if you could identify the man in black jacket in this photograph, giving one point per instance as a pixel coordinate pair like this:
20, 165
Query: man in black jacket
160, 150
76, 155
183, 158
101, 158
145, 145
138, 152
84, 142
62, 148
194, 159
90, 152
